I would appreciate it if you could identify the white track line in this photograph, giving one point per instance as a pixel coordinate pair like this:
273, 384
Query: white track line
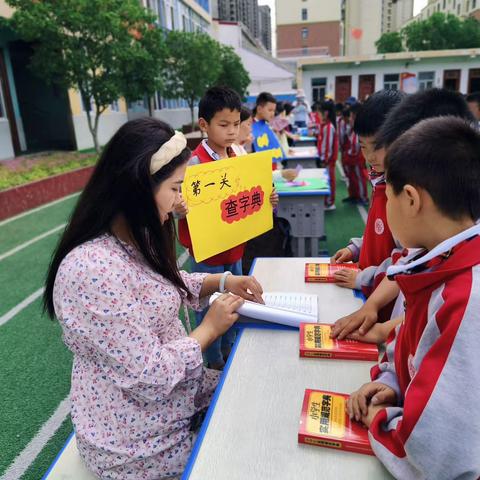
23, 304
363, 213
37, 209
30, 242
28, 455
182, 259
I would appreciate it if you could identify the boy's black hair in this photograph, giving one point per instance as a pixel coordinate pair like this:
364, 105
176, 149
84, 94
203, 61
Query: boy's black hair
328, 108
355, 108
442, 156
346, 112
434, 102
288, 108
374, 111
265, 97
280, 108
339, 107
217, 99
474, 97
245, 114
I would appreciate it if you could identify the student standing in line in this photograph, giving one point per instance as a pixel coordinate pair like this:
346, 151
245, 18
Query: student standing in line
354, 162
219, 117
414, 108
263, 135
377, 243
418, 407
473, 100
243, 144
139, 387
327, 145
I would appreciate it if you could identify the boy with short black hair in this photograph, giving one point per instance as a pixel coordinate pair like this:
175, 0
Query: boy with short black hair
420, 406
264, 137
219, 117
419, 106
377, 242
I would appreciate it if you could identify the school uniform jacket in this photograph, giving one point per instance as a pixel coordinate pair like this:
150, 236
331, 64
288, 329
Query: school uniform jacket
202, 155
433, 363
327, 144
377, 242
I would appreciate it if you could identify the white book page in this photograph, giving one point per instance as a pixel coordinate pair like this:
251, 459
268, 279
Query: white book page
280, 307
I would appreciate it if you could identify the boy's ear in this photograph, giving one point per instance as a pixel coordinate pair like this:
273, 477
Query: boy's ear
413, 199
203, 124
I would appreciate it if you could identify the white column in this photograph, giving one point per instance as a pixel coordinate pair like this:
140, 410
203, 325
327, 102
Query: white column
355, 92
464, 80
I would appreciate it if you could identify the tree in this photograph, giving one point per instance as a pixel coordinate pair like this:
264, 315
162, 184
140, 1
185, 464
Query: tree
389, 42
441, 32
191, 66
106, 49
233, 72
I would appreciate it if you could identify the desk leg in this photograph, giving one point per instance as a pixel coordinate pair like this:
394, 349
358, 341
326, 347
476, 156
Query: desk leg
314, 250
301, 246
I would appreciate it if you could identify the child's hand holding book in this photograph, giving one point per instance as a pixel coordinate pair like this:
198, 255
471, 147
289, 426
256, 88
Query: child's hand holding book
361, 320
368, 400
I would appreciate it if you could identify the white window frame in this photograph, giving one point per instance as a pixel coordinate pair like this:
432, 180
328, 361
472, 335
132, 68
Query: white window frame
389, 84
426, 83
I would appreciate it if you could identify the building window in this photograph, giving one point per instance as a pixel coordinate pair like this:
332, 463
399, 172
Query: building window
114, 106
304, 14
444, 4
184, 23
391, 81
458, 8
474, 4
304, 33
426, 80
319, 89
172, 17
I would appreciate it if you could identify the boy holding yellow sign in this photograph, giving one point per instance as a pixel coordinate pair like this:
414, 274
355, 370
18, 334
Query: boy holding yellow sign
219, 118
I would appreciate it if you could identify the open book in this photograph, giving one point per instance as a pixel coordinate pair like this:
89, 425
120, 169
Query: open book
290, 309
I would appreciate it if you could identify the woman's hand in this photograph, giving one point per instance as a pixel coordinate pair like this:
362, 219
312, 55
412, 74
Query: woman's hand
221, 315
245, 287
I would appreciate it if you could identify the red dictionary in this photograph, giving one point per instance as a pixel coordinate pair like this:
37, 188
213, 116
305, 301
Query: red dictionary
323, 272
316, 342
324, 423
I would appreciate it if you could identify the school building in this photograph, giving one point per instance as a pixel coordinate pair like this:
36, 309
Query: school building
360, 76
37, 117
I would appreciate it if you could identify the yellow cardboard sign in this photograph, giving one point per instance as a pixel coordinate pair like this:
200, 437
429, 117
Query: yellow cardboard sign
228, 202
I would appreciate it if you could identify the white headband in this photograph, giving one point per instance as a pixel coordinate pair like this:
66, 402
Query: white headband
167, 152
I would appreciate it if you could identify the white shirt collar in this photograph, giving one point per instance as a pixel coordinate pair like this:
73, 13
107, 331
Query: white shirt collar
441, 248
214, 155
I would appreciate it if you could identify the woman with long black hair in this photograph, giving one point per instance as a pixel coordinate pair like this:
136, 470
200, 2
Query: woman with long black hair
138, 380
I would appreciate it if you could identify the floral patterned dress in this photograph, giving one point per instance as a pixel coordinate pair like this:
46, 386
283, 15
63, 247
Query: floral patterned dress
138, 381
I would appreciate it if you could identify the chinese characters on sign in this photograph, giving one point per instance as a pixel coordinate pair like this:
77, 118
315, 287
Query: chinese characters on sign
228, 202
243, 204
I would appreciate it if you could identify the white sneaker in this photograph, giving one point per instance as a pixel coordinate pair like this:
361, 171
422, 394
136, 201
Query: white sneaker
330, 207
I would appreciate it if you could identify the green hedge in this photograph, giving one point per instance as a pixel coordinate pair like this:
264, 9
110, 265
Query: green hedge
12, 178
